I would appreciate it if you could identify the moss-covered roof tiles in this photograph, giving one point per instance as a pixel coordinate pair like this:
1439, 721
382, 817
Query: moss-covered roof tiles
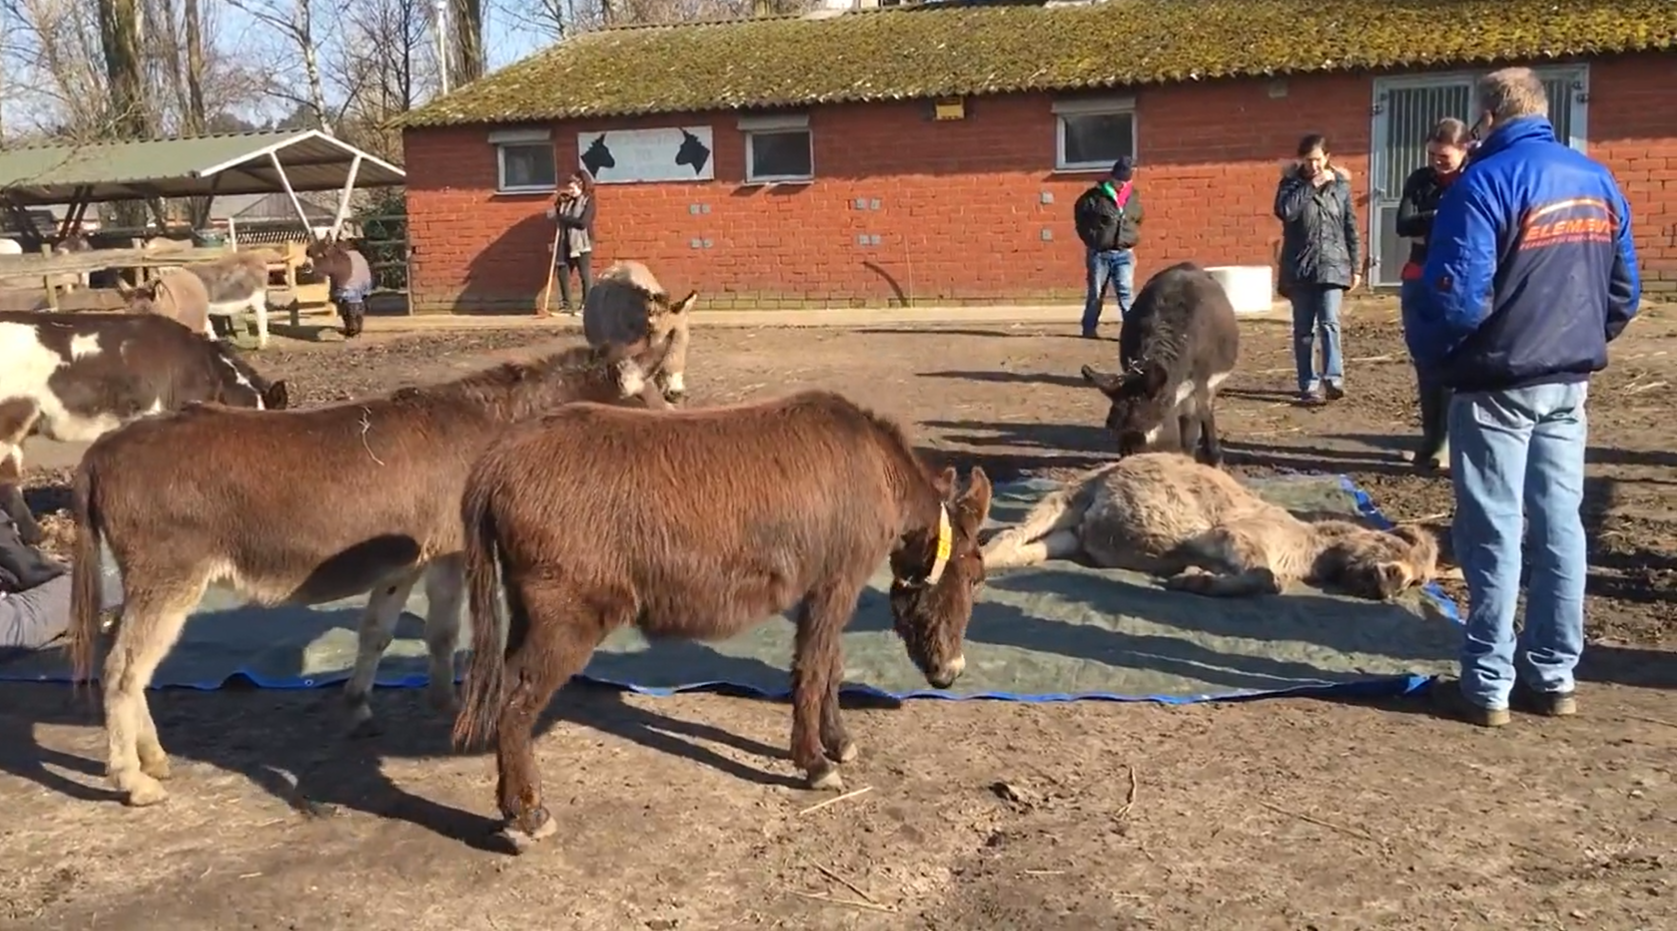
955, 49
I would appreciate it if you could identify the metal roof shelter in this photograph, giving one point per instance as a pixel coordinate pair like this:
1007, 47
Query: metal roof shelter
203, 166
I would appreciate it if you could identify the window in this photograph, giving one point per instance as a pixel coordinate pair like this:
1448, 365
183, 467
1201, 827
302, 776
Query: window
524, 161
778, 148
1092, 134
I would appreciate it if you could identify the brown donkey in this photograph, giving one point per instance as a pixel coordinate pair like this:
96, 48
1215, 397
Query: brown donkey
299, 507
699, 524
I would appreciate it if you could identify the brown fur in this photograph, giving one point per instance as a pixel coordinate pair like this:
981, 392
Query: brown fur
176, 294
626, 305
699, 524
303, 506
1166, 514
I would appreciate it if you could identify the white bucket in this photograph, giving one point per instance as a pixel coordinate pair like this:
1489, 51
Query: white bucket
1249, 287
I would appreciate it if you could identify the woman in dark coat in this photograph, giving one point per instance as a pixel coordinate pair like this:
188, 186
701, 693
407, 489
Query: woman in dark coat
573, 210
1446, 156
1321, 254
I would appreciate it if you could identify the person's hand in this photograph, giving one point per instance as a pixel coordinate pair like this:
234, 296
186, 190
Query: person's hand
1343, 174
1356, 280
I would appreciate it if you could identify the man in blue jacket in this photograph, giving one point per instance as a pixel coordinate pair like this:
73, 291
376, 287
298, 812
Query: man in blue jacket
1530, 274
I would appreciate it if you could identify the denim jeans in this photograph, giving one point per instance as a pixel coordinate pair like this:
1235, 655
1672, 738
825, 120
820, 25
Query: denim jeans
1116, 267
1316, 309
1434, 398
32, 619
1520, 454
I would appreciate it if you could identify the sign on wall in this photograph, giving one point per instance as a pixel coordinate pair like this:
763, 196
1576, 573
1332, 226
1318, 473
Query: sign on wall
628, 155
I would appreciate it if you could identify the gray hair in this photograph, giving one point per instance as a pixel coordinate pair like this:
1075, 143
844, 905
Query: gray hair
1510, 93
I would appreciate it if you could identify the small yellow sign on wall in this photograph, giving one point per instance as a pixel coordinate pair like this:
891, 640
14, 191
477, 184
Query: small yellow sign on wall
955, 109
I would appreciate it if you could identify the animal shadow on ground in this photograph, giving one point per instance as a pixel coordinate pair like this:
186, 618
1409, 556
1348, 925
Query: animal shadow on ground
1014, 378
1006, 450
292, 743
1258, 394
942, 332
1315, 459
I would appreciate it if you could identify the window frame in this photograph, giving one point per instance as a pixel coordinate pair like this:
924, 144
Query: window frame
1099, 106
522, 139
778, 124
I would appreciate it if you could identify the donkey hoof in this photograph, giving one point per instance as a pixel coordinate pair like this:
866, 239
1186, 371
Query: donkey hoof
825, 778
157, 768
844, 752
144, 792
522, 840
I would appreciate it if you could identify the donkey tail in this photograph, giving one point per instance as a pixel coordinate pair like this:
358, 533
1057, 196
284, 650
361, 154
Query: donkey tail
1059, 512
86, 592
480, 703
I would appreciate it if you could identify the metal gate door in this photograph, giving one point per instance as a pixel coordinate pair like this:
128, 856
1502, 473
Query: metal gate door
1405, 114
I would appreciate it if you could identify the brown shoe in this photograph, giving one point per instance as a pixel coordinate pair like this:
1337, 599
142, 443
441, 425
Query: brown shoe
1546, 704
1448, 701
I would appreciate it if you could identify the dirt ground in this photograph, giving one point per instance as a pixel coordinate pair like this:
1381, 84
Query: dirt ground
681, 813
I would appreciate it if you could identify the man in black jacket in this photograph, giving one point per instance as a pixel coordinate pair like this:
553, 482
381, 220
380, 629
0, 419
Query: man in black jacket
34, 594
1108, 218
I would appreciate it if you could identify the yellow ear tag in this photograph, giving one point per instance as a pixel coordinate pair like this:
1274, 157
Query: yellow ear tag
945, 545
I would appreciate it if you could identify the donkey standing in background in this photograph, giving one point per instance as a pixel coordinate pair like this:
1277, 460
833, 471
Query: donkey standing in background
176, 294
701, 524
623, 306
244, 510
237, 281
351, 277
1179, 343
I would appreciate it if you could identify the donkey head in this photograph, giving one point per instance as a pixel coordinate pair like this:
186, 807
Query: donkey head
1381, 565
936, 574
1141, 406
241, 386
141, 299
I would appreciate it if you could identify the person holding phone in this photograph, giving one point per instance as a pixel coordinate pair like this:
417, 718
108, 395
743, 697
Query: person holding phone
573, 210
1321, 253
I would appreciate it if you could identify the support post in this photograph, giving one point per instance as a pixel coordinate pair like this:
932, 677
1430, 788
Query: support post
297, 205
343, 197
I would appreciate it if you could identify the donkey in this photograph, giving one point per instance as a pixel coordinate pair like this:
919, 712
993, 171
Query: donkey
1179, 343
351, 277
699, 524
245, 509
75, 377
236, 281
176, 294
1205, 532
619, 307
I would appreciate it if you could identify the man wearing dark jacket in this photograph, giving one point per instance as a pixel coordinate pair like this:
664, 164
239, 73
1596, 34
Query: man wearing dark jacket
1108, 218
1530, 273
34, 594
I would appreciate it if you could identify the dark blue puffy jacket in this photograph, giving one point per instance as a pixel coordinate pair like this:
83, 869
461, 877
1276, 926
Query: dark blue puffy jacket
1530, 268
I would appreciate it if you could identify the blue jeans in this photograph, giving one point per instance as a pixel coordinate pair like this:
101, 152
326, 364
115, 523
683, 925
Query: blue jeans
1520, 454
1316, 308
1116, 267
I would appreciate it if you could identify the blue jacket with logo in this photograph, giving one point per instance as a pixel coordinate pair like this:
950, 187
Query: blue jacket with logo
1530, 268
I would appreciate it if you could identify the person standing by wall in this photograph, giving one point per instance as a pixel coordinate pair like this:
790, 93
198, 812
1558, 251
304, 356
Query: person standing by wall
1446, 155
1108, 218
1321, 253
1530, 274
573, 210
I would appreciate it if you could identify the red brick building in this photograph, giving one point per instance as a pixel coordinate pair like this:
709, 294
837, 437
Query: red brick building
932, 154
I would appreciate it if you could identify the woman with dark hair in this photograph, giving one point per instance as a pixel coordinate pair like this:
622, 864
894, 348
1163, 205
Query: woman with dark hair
573, 210
1320, 258
1447, 150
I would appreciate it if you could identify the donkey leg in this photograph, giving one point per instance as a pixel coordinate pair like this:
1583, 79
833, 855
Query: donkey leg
817, 663
444, 592
378, 628
151, 624
559, 632
259, 307
1211, 449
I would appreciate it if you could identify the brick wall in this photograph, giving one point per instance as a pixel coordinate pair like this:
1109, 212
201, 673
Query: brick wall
961, 215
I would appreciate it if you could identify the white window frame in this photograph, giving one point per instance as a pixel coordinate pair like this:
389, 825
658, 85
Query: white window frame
777, 123
522, 139
1097, 106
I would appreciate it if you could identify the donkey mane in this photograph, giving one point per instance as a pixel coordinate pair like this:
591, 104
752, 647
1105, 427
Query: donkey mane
517, 390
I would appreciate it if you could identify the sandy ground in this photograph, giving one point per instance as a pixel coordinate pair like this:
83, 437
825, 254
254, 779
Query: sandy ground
680, 813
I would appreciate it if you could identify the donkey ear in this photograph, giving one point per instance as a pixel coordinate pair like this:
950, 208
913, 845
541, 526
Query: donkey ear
975, 503
1108, 384
685, 304
945, 483
1154, 376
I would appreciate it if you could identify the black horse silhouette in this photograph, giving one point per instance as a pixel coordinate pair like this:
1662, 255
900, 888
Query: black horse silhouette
598, 156
692, 152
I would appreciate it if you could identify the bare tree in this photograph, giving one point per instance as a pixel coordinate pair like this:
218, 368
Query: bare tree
466, 21
296, 21
388, 65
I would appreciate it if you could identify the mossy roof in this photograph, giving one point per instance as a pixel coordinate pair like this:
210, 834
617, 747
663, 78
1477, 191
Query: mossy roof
962, 49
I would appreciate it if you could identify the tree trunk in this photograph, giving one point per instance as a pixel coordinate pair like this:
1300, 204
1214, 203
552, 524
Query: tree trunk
193, 117
119, 39
468, 40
